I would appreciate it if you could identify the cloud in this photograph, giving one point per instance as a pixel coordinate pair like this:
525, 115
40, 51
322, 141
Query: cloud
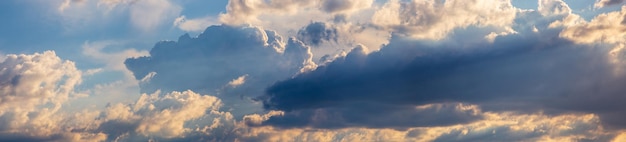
553, 7
165, 116
604, 28
339, 6
554, 76
238, 81
189, 116
436, 19
221, 53
377, 116
605, 3
33, 88
494, 127
248, 11
194, 25
316, 33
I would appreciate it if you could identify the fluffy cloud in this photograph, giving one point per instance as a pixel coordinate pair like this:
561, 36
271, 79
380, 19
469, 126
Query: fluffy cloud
433, 19
33, 88
604, 28
172, 115
208, 63
553, 75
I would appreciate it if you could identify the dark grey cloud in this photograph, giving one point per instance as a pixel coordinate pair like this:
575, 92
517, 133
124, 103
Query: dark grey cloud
525, 72
318, 32
375, 116
207, 63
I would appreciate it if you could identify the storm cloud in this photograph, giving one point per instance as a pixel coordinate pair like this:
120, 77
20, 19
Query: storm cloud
520, 72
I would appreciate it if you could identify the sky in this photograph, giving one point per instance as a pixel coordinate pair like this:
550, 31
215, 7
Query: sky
313, 70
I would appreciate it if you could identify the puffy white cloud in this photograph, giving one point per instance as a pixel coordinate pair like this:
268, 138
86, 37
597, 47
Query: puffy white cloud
166, 115
604, 28
433, 19
33, 88
238, 81
28, 81
553, 7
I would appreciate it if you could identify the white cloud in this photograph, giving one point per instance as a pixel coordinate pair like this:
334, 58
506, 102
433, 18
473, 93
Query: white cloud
194, 25
33, 88
604, 28
436, 19
553, 7
238, 81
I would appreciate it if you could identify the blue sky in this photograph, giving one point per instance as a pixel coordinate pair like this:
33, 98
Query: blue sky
312, 70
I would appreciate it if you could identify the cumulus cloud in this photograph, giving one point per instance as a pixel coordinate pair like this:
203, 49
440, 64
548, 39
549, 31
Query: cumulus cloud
553, 75
33, 88
212, 60
166, 116
604, 28
436, 19
452, 71
553, 7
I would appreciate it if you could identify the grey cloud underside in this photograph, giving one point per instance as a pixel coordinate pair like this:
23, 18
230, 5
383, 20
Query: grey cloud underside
373, 115
523, 72
611, 2
317, 32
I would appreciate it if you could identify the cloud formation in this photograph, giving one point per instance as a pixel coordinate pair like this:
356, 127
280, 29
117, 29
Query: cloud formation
317, 33
165, 116
212, 60
554, 76
436, 19
33, 88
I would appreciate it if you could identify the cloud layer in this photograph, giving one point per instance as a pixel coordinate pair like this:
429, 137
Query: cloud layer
330, 70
